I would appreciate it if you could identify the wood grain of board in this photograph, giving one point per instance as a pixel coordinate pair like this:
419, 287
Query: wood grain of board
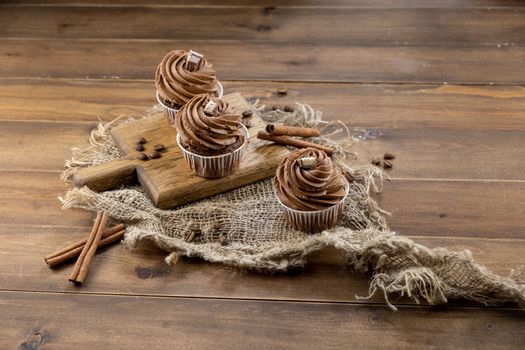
110, 59
54, 141
447, 154
419, 208
483, 209
370, 27
145, 322
434, 4
359, 105
31, 199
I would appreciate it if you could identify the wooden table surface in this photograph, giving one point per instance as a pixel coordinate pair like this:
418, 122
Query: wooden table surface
443, 80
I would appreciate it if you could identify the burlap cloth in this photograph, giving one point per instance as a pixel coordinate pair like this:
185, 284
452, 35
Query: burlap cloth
245, 228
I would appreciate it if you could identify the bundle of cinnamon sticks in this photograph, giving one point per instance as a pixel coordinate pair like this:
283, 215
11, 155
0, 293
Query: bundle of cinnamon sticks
85, 249
283, 135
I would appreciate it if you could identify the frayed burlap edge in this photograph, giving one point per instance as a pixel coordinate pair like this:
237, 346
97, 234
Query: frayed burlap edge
398, 265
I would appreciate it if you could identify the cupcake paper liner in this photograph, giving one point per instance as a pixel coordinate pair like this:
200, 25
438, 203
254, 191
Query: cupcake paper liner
170, 112
215, 166
315, 221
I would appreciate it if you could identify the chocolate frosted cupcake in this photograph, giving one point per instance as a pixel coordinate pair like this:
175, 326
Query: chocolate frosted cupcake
211, 136
182, 75
311, 190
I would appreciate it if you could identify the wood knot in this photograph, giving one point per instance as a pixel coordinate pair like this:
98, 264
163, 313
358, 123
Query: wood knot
268, 10
264, 28
152, 272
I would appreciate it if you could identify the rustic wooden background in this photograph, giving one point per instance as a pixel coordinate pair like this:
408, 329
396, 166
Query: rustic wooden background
443, 80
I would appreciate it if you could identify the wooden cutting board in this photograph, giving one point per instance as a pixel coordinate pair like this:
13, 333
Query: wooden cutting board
168, 180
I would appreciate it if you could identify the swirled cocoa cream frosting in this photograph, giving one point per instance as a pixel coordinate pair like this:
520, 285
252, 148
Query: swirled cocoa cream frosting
209, 126
177, 80
307, 180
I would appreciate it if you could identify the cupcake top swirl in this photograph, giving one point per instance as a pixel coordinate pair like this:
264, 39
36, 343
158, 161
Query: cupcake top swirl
307, 180
177, 82
202, 132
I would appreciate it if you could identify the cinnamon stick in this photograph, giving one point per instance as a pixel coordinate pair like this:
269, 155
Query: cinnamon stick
81, 268
290, 141
285, 130
109, 236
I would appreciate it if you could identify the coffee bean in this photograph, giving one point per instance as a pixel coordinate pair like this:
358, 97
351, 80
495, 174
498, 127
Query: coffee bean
376, 161
387, 164
223, 240
282, 91
247, 113
139, 146
141, 140
288, 109
389, 156
142, 156
275, 107
154, 155
159, 148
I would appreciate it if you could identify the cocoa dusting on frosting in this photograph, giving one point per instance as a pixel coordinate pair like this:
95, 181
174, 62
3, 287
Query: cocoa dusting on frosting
209, 134
301, 186
177, 81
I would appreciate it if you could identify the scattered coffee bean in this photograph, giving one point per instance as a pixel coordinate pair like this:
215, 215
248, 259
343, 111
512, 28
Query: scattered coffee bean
142, 156
247, 113
288, 108
247, 123
139, 146
192, 235
282, 91
141, 140
387, 164
376, 161
223, 240
159, 148
275, 107
154, 155
389, 156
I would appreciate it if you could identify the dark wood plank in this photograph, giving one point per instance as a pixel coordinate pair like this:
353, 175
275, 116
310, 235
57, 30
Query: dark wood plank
31, 199
41, 145
74, 100
282, 3
88, 322
471, 208
111, 59
421, 153
117, 270
368, 26
419, 208
360, 105
448, 154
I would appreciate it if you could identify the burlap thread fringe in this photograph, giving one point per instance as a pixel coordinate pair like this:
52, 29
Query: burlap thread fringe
249, 221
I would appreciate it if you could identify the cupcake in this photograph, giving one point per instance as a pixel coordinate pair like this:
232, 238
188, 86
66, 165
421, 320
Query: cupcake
182, 75
211, 136
311, 190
